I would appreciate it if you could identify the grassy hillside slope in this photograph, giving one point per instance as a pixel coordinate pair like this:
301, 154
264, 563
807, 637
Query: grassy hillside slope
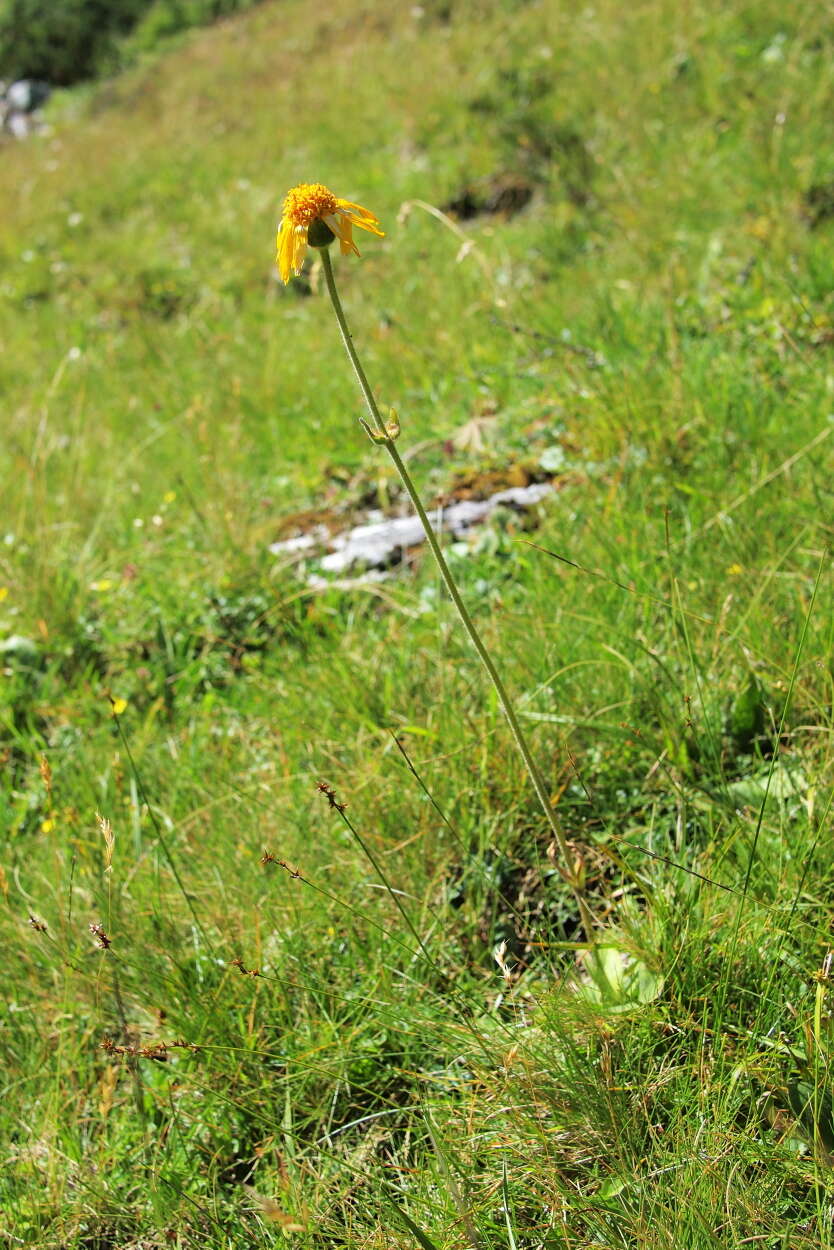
655, 327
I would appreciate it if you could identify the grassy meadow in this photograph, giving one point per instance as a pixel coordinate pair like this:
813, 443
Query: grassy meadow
608, 260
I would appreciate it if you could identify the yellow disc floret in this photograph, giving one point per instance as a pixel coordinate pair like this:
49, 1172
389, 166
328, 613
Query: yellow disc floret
306, 204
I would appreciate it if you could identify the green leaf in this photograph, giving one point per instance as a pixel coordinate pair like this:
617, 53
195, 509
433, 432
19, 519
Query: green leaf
616, 980
748, 714
784, 784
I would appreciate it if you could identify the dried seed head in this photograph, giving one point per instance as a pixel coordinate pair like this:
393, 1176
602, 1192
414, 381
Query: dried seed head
330, 795
101, 937
109, 839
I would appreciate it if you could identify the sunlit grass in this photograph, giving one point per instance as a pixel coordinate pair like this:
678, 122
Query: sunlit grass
661, 312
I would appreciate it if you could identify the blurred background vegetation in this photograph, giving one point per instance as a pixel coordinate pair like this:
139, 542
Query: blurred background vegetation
67, 41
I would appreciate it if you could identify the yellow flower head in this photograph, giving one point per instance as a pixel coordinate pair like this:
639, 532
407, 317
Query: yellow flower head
312, 205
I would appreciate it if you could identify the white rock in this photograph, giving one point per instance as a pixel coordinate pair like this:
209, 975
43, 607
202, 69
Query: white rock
19, 125
27, 94
377, 544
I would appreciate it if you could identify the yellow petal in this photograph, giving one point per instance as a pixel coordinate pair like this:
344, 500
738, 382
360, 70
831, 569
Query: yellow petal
292, 243
358, 211
299, 248
346, 242
360, 217
339, 223
283, 239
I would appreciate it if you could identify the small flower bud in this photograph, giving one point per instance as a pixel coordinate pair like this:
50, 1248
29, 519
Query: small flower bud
319, 234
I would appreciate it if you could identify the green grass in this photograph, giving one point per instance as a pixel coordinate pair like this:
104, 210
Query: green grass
662, 312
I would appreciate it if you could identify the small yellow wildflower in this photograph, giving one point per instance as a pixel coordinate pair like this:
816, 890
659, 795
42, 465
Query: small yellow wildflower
118, 706
310, 203
47, 825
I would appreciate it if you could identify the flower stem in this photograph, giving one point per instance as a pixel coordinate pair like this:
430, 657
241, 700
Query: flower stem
347, 339
463, 612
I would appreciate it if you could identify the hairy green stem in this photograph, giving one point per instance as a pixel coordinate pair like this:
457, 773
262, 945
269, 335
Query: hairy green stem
379, 434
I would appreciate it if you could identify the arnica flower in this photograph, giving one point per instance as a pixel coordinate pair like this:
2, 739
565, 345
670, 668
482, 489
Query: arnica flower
313, 216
